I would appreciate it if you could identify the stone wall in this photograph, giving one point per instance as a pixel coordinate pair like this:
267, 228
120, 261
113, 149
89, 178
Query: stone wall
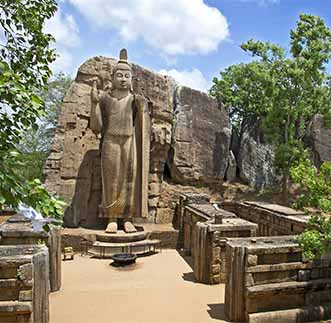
187, 222
209, 247
204, 231
190, 132
272, 219
269, 281
24, 284
17, 230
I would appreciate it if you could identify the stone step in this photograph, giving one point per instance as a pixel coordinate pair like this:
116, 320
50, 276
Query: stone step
304, 314
126, 244
121, 237
13, 307
294, 287
102, 249
8, 283
15, 261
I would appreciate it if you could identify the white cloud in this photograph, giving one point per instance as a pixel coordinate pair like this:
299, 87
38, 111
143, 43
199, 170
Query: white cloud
65, 30
172, 27
193, 79
64, 62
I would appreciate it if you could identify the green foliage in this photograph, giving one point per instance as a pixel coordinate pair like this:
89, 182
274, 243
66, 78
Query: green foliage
25, 55
283, 91
317, 237
35, 144
57, 87
16, 189
315, 184
42, 201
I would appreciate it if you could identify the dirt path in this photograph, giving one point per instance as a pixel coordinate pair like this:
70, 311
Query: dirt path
158, 289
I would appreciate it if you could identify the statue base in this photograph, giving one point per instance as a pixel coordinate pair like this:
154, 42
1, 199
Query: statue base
121, 237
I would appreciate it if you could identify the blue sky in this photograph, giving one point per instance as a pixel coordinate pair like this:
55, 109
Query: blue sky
191, 40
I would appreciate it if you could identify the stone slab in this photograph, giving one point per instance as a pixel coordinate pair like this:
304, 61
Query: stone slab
127, 244
15, 307
209, 210
121, 237
277, 208
233, 224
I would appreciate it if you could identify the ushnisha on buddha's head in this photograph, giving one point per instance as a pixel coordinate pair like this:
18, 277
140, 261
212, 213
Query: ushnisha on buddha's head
122, 73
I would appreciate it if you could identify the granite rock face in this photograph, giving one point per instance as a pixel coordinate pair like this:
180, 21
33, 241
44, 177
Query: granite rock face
256, 159
194, 144
201, 138
231, 171
319, 140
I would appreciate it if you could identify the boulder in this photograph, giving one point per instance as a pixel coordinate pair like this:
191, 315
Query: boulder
201, 136
318, 139
256, 159
231, 172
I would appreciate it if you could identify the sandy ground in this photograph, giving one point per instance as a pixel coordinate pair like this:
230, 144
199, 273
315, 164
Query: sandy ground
158, 289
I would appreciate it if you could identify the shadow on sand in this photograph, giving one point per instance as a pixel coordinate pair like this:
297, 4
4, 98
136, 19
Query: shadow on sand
189, 260
216, 312
189, 277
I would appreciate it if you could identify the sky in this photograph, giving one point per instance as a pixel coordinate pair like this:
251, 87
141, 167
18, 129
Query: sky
190, 40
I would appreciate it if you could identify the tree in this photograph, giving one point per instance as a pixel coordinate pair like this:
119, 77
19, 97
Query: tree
314, 184
35, 144
25, 55
283, 91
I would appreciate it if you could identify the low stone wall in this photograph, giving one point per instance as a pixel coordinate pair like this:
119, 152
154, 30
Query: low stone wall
204, 231
24, 284
17, 230
184, 222
268, 281
209, 247
272, 219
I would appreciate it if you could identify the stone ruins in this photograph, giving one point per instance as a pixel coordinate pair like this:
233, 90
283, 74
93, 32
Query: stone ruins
167, 199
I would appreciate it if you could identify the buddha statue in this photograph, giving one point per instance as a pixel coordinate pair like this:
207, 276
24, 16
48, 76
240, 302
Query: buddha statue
123, 121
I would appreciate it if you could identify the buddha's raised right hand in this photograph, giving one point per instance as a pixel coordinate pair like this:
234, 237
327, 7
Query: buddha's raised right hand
95, 92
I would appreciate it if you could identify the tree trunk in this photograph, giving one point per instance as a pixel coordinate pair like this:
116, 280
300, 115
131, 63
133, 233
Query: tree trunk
284, 185
284, 170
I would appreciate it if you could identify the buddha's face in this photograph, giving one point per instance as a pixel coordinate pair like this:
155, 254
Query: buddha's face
122, 80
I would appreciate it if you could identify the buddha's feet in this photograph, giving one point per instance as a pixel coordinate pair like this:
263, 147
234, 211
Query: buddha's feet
111, 227
129, 227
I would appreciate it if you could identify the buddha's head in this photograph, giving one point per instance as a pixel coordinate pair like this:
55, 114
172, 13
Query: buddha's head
122, 73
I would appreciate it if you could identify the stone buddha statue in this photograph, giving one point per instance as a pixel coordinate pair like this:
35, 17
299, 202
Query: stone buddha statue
123, 120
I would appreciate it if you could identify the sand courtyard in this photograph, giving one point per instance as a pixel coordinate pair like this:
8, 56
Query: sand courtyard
157, 289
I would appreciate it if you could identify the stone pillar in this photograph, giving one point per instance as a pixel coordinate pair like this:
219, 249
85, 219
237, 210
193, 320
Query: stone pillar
18, 231
234, 303
202, 257
41, 287
54, 247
